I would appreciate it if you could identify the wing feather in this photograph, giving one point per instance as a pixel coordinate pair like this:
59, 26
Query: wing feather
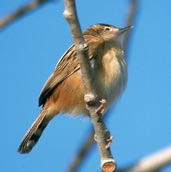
66, 66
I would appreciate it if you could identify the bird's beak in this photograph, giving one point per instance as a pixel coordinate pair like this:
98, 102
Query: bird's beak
125, 29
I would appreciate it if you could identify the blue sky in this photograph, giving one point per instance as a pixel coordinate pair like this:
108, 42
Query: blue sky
29, 51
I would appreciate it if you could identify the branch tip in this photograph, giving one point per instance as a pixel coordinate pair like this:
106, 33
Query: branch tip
108, 165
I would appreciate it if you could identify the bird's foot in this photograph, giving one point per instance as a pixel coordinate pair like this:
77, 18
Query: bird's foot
109, 139
101, 109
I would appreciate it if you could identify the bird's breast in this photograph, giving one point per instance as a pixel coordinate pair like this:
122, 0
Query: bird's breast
112, 75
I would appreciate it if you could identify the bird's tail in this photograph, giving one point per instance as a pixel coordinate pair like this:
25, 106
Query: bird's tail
34, 133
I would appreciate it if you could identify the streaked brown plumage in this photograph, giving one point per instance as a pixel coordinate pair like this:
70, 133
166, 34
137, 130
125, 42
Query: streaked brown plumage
64, 93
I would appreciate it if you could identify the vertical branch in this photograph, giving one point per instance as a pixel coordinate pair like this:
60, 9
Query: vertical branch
132, 13
91, 99
84, 150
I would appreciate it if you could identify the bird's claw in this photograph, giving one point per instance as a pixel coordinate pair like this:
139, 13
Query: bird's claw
108, 140
101, 109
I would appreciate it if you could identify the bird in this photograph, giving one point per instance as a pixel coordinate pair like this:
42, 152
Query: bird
63, 92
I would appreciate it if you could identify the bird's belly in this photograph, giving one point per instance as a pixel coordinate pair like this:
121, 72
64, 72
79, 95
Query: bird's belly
112, 82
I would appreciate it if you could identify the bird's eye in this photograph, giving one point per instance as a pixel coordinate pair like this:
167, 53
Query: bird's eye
107, 28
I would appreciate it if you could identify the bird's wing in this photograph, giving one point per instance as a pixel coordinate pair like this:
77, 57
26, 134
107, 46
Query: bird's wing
66, 66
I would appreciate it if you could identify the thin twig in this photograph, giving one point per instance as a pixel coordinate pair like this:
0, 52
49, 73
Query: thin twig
21, 12
81, 154
153, 163
91, 99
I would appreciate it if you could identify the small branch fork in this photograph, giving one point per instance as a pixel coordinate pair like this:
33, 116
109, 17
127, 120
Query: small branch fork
107, 162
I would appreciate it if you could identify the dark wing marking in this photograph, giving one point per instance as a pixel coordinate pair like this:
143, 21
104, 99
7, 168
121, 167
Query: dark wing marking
66, 66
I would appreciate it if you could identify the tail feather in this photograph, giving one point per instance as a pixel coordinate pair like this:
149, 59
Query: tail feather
34, 133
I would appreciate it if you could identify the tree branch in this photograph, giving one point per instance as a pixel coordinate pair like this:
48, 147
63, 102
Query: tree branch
21, 12
91, 98
85, 148
153, 163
